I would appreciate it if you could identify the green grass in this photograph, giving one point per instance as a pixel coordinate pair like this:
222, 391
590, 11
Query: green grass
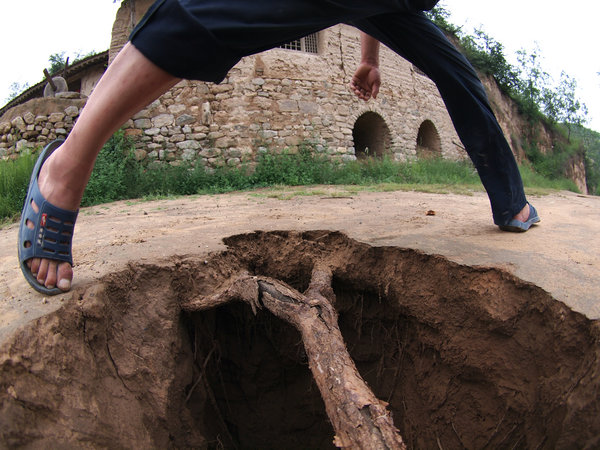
14, 179
118, 176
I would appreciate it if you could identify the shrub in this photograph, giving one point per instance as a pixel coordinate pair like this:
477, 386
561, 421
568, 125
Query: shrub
116, 173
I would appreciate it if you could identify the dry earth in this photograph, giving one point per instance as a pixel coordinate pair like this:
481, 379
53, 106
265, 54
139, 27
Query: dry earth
561, 255
494, 343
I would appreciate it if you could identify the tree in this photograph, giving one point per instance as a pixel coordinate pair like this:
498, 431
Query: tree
439, 15
57, 62
15, 90
533, 82
561, 104
487, 55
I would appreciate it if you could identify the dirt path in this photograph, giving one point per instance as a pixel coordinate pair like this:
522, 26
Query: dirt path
561, 255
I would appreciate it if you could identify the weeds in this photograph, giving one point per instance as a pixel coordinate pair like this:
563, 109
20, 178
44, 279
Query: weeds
14, 180
118, 175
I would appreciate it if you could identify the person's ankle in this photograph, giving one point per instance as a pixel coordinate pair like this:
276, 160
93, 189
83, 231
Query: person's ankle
58, 187
523, 215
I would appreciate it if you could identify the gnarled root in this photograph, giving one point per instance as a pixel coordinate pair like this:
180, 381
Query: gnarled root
360, 420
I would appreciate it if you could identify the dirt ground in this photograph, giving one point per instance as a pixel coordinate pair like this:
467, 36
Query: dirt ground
475, 338
561, 255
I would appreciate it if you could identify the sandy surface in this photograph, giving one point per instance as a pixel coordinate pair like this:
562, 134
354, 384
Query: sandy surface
561, 255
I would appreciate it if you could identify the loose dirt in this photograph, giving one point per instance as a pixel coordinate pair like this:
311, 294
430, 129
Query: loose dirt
475, 338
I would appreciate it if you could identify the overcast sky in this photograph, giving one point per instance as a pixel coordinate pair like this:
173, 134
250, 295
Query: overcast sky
565, 32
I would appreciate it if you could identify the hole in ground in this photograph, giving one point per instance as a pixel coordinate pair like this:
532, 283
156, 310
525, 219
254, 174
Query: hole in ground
465, 357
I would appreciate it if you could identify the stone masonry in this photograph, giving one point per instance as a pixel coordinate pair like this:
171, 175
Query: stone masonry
275, 101
37, 122
281, 99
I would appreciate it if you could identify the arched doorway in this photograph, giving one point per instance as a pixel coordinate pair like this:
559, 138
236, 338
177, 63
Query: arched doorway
371, 136
429, 144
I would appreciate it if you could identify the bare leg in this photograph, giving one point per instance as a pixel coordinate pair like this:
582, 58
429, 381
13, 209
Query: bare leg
130, 83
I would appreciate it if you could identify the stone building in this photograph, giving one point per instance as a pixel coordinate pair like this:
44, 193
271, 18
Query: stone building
38, 116
281, 99
276, 100
288, 96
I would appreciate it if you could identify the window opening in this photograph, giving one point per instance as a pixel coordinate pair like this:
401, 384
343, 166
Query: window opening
307, 44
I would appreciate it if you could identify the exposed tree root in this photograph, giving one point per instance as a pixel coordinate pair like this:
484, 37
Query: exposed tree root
360, 420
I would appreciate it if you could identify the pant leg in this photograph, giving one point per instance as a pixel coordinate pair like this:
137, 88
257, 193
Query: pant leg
203, 39
417, 39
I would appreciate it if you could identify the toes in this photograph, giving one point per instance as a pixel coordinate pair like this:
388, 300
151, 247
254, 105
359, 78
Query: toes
42, 271
51, 273
34, 265
50, 281
64, 276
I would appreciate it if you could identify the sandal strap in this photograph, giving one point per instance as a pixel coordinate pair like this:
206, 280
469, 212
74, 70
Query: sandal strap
52, 234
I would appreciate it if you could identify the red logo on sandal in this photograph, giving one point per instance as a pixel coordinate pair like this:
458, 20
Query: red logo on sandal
43, 221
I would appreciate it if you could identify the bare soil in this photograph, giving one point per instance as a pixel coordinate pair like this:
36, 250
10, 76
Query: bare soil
473, 338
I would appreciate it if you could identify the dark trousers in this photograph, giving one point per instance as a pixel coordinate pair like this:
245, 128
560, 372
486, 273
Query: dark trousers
414, 37
203, 39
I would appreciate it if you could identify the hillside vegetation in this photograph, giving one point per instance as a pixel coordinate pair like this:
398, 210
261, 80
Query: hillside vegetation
539, 100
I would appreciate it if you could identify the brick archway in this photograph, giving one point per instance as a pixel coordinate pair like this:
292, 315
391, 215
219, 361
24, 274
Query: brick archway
371, 136
429, 144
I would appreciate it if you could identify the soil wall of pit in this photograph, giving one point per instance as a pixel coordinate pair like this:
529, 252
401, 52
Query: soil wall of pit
466, 357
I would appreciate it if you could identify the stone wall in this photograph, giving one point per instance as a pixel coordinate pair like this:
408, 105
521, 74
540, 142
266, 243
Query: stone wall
280, 99
37, 122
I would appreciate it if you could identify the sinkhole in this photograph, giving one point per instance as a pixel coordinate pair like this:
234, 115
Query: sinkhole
463, 357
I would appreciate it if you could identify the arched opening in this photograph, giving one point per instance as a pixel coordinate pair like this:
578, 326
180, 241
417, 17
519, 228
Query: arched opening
429, 144
371, 135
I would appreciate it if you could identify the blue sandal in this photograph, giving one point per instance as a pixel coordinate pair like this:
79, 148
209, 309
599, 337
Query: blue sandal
52, 234
520, 227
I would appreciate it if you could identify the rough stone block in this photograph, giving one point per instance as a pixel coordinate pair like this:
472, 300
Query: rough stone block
133, 132
210, 153
29, 117
56, 117
188, 145
140, 155
72, 111
18, 123
143, 114
176, 108
185, 119
142, 123
152, 131
22, 146
163, 120
287, 105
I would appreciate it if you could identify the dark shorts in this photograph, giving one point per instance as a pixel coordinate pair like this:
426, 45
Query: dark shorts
203, 39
